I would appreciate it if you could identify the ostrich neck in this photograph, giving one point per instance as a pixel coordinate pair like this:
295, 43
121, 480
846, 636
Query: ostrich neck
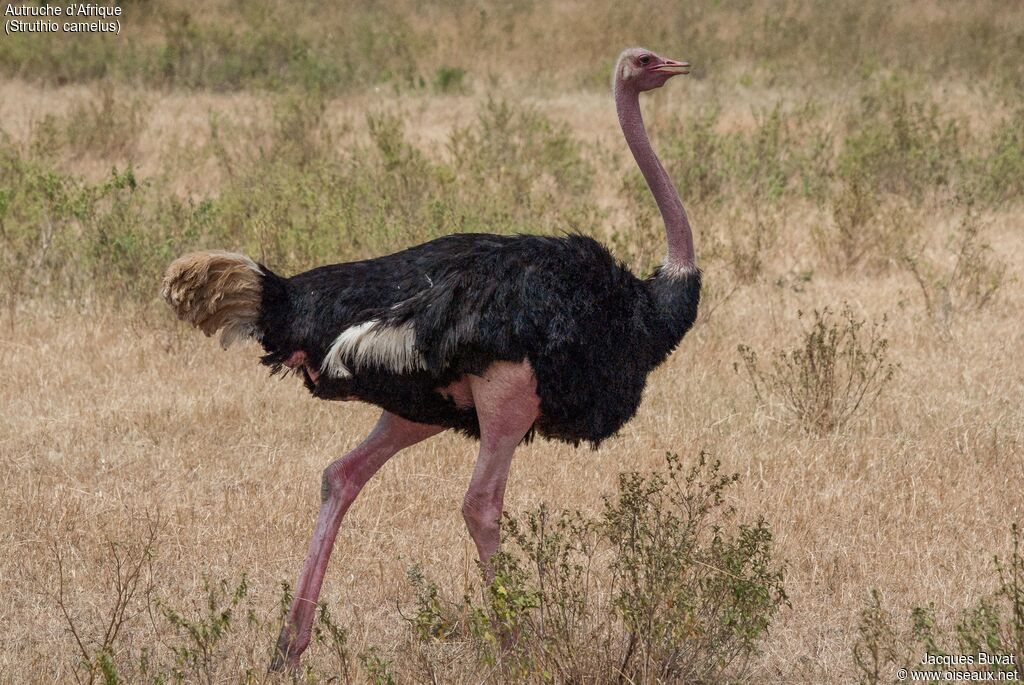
677, 227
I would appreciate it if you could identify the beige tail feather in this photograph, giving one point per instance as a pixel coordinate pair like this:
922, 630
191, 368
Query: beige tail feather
216, 290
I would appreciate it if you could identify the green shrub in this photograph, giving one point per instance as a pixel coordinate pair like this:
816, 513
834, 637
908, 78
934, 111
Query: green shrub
877, 653
327, 632
993, 625
350, 43
450, 79
263, 54
57, 60
521, 170
106, 125
290, 198
901, 145
200, 631
1000, 177
663, 586
378, 669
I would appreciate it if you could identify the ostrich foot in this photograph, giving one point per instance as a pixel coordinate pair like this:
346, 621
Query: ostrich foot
286, 653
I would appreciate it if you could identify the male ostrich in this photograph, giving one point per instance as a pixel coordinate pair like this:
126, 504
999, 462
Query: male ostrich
495, 336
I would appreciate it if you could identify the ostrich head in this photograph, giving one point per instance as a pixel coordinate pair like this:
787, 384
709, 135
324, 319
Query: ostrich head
643, 70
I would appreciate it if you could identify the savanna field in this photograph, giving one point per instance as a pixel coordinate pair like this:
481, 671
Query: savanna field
853, 172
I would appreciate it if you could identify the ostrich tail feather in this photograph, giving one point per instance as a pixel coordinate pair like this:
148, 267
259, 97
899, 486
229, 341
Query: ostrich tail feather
216, 290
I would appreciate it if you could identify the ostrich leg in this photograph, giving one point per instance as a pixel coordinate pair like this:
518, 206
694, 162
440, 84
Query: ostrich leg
342, 481
507, 405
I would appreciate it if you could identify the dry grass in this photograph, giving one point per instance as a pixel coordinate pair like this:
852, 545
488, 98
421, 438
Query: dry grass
107, 419
114, 415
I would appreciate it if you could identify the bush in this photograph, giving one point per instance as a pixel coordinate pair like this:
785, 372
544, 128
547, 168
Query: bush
969, 284
901, 145
663, 586
351, 43
784, 154
200, 631
837, 370
854, 229
133, 635
520, 170
1001, 174
993, 625
289, 199
97, 632
106, 125
867, 231
450, 79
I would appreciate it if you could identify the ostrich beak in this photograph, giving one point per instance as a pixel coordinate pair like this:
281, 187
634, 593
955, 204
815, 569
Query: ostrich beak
670, 66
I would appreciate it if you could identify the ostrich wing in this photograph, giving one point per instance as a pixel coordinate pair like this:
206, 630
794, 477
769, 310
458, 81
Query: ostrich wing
503, 299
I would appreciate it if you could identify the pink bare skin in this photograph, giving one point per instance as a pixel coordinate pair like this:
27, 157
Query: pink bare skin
507, 405
458, 391
299, 359
342, 481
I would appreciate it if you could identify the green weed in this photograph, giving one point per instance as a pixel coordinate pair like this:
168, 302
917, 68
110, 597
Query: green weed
200, 631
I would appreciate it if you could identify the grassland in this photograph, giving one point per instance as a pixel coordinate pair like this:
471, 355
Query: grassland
830, 154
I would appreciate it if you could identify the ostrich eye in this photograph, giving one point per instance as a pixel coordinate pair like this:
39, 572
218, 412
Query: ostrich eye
645, 60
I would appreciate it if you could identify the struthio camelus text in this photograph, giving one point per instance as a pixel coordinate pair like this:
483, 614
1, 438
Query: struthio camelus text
495, 336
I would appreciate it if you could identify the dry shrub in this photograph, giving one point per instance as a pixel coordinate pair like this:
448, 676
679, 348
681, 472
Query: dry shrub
854, 231
751, 247
839, 368
969, 280
741, 243
739, 246
867, 231
97, 632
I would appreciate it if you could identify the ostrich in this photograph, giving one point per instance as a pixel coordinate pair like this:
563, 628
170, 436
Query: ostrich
498, 337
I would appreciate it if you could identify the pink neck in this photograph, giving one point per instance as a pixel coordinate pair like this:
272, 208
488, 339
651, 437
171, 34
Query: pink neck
677, 227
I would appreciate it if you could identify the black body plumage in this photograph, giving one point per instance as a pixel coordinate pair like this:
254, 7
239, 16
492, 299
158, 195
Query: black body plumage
591, 330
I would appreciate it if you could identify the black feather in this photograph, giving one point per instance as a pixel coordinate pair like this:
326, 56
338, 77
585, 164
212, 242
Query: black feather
591, 329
